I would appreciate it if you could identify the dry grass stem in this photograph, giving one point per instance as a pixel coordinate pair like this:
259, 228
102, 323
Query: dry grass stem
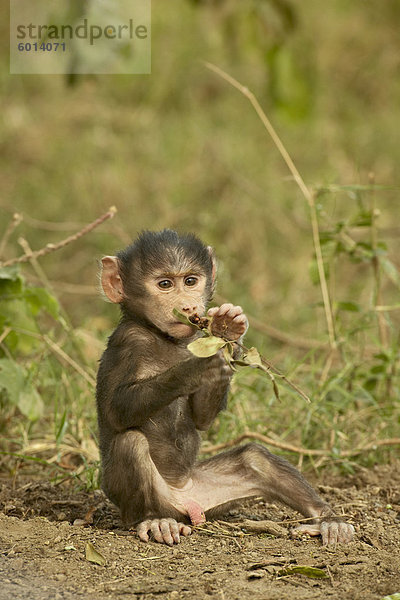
35, 263
333, 583
27, 256
69, 446
4, 334
74, 288
309, 196
386, 308
306, 451
60, 352
16, 220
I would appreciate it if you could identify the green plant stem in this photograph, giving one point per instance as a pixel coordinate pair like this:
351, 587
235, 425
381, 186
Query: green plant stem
269, 368
378, 300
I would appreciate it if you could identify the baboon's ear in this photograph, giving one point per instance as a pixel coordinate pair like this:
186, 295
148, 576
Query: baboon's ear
111, 281
214, 263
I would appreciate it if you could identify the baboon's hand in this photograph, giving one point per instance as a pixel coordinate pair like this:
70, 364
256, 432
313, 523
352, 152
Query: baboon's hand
164, 531
229, 321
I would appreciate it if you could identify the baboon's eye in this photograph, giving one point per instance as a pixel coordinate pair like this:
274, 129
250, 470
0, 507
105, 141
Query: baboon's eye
191, 281
165, 284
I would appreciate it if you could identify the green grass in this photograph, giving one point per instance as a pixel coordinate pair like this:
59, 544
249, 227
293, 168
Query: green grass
181, 148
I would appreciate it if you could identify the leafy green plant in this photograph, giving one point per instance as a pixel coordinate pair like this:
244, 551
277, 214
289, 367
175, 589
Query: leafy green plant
46, 383
21, 307
352, 243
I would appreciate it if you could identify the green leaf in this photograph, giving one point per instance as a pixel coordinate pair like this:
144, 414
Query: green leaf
370, 384
382, 356
62, 428
366, 250
18, 315
21, 393
275, 388
181, 317
92, 555
10, 288
349, 306
253, 357
395, 596
377, 369
390, 271
40, 298
381, 248
326, 237
227, 352
11, 273
12, 379
363, 219
312, 572
206, 346
290, 87
30, 403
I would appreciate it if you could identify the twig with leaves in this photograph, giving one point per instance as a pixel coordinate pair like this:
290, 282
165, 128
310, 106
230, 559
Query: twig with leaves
209, 344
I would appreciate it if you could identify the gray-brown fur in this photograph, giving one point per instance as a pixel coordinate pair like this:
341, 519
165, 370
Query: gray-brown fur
153, 397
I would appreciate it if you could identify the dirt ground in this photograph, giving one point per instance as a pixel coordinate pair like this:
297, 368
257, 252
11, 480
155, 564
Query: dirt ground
43, 554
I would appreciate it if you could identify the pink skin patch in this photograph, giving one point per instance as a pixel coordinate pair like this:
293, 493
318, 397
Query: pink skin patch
195, 512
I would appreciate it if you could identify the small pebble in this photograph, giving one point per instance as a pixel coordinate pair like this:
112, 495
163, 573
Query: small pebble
257, 574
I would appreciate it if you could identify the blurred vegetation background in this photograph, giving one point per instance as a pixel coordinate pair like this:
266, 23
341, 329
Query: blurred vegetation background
181, 148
